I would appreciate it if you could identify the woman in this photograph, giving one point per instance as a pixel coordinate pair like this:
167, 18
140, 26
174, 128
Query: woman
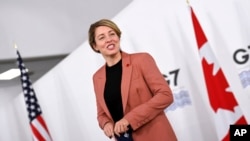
131, 93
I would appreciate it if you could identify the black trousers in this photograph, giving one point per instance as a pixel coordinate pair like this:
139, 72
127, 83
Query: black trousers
125, 137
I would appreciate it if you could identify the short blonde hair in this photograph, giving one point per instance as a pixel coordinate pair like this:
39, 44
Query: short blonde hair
102, 22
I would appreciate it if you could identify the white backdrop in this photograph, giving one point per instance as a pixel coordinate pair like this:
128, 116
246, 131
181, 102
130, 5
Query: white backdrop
164, 29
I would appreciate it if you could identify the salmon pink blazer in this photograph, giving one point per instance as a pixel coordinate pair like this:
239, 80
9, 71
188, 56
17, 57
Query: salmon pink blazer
145, 95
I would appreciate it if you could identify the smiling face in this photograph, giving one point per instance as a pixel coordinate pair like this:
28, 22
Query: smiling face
107, 42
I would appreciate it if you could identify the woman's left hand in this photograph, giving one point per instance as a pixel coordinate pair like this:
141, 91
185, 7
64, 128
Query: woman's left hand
121, 126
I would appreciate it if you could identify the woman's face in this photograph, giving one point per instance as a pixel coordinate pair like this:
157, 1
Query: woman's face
107, 41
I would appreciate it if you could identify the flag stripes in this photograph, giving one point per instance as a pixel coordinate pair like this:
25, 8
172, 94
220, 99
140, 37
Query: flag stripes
41, 131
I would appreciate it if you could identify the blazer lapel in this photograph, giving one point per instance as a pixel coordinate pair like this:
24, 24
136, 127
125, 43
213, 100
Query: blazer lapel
126, 77
100, 94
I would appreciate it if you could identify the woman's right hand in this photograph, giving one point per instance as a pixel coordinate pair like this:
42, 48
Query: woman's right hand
109, 129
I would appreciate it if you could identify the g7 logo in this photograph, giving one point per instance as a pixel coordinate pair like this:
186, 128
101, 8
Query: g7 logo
241, 56
172, 77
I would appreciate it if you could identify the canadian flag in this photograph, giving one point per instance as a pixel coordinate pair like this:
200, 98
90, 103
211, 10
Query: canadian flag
222, 101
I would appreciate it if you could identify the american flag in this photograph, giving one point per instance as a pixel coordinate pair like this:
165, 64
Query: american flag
39, 129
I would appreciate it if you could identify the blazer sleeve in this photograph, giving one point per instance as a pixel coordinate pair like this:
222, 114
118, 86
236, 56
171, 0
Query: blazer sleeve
161, 94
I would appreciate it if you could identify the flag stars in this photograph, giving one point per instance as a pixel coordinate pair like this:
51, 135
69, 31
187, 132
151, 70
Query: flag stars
24, 78
32, 107
23, 70
32, 100
24, 84
31, 93
32, 114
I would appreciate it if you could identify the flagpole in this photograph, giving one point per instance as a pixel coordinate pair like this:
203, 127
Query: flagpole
188, 4
15, 46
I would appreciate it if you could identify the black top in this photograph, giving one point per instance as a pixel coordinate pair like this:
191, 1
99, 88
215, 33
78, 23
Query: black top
112, 92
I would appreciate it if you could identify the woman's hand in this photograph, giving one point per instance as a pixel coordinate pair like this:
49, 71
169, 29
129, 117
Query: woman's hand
109, 129
121, 126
